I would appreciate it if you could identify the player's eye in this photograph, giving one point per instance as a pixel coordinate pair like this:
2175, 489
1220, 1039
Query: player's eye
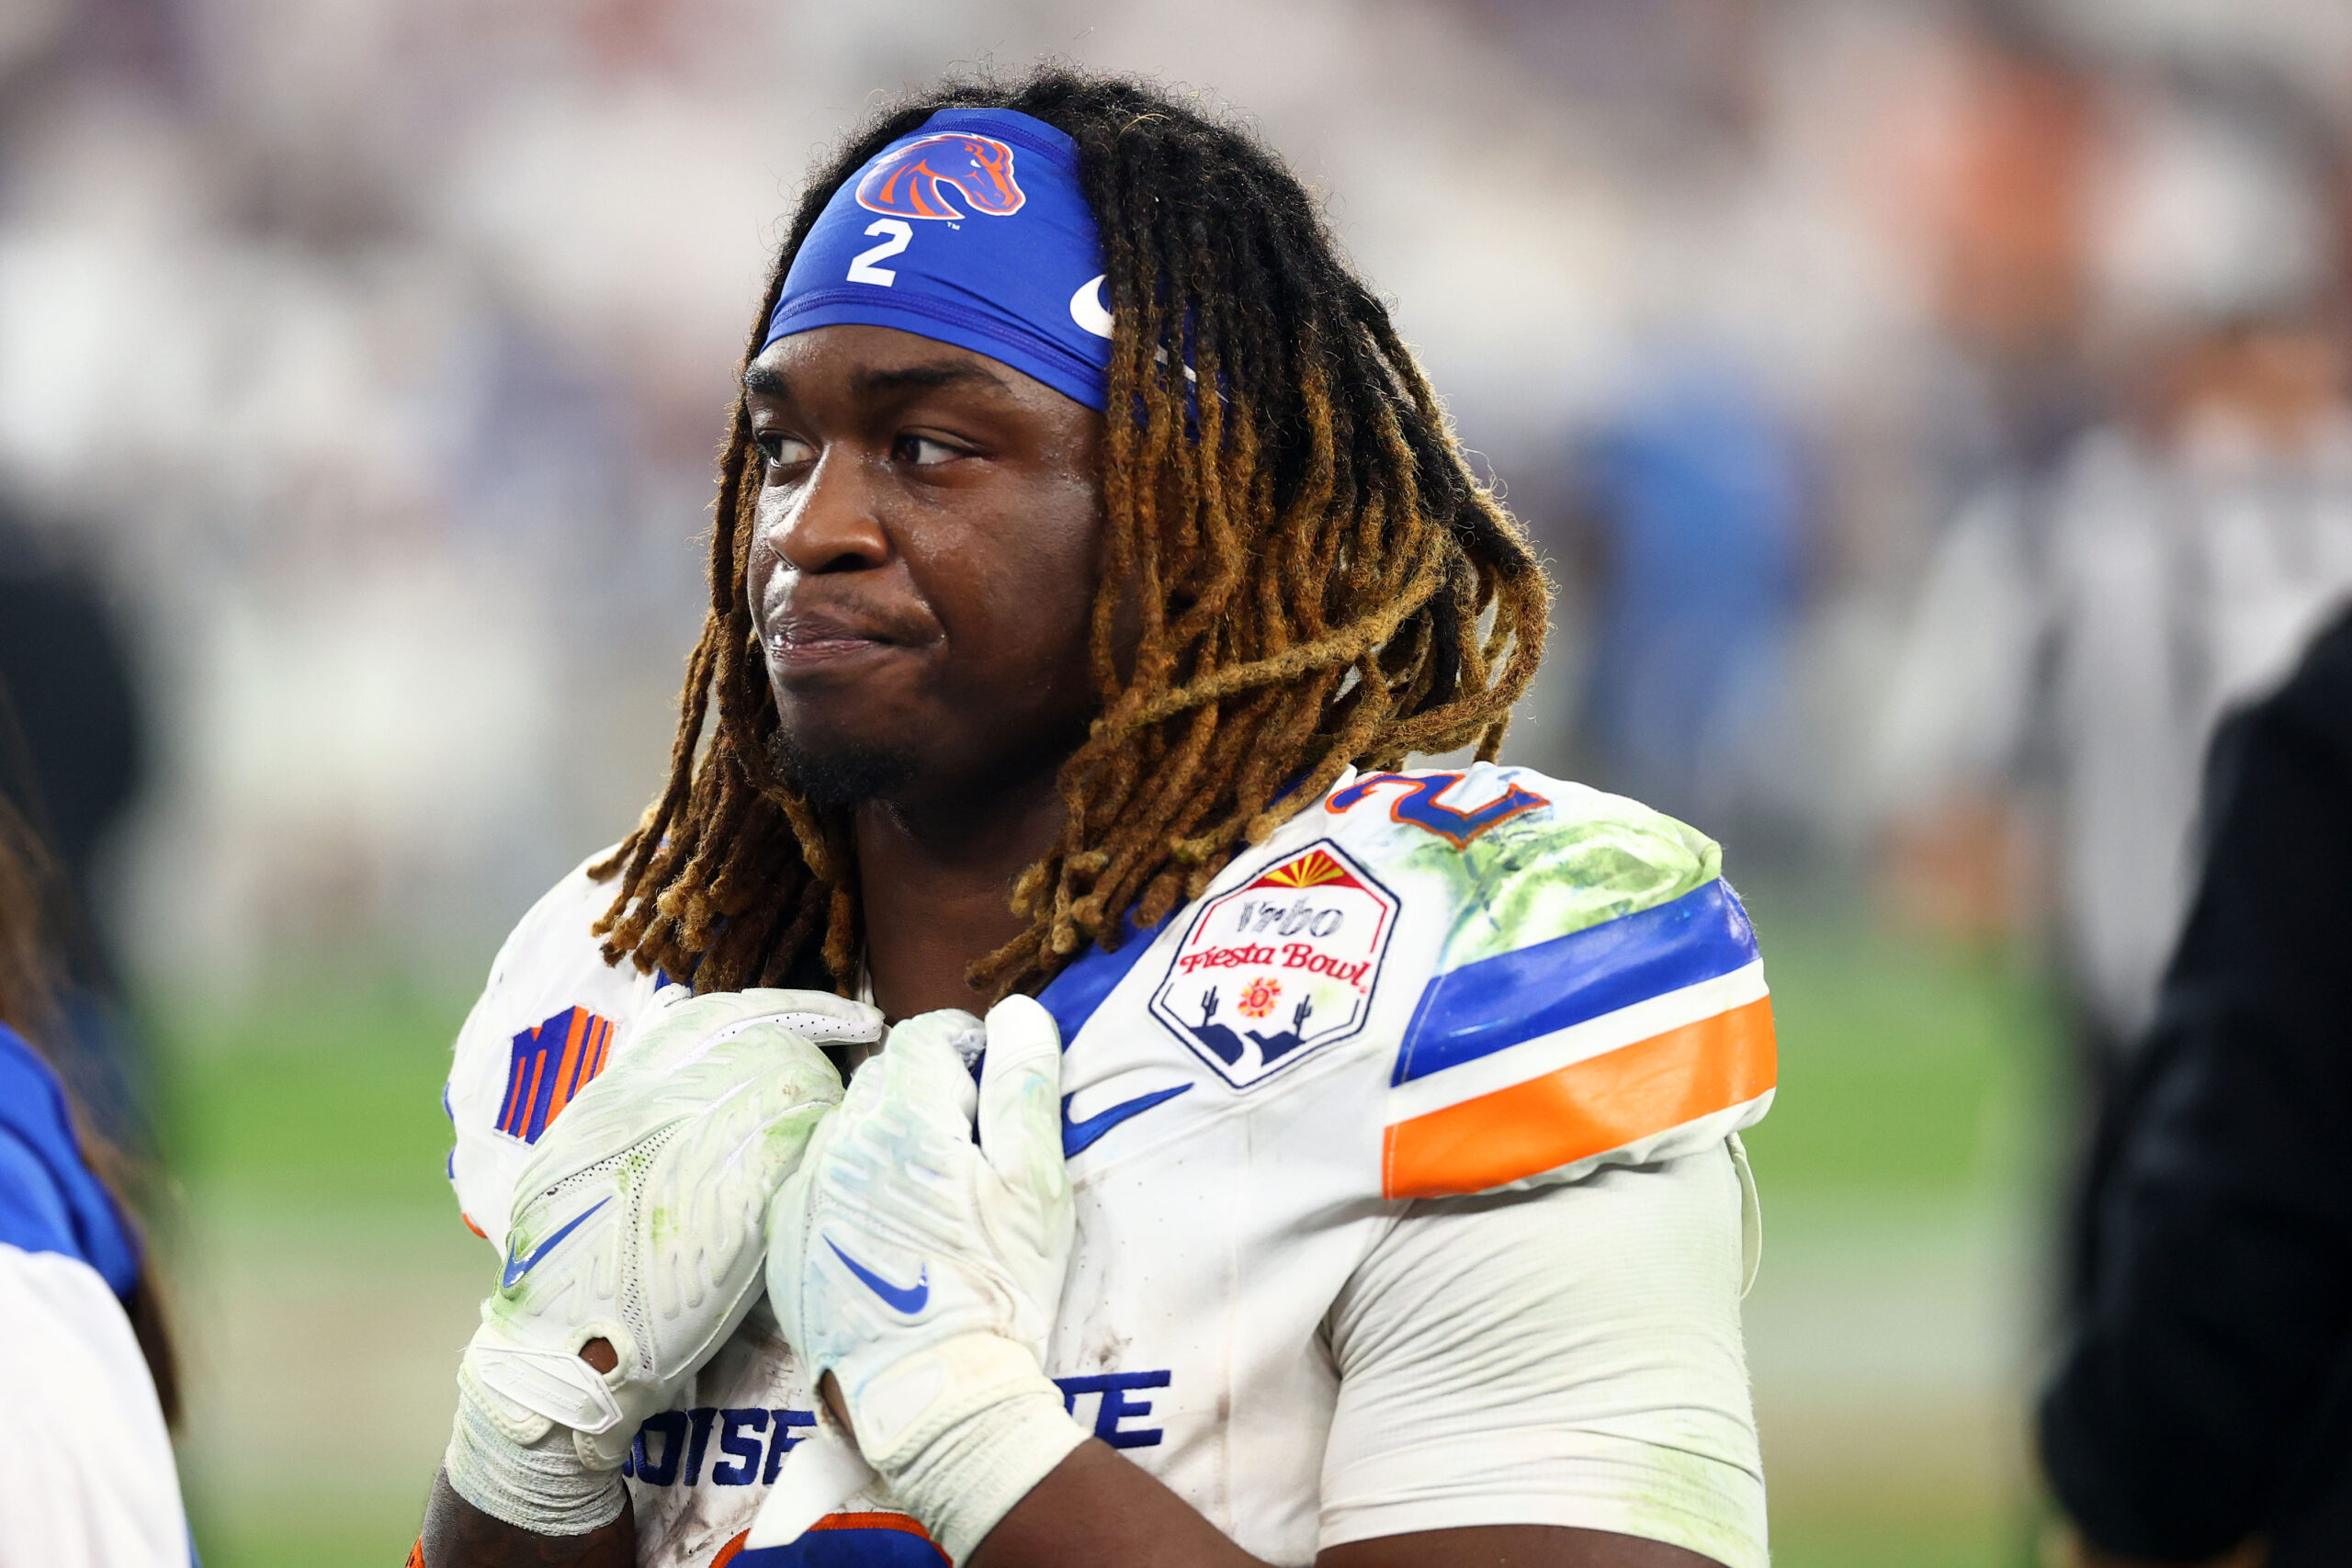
783, 451
925, 453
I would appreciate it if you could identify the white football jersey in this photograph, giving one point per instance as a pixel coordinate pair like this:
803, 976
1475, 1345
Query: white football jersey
1409, 1195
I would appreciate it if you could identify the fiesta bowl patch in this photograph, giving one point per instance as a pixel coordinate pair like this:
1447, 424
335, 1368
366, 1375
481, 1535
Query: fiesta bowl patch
1269, 971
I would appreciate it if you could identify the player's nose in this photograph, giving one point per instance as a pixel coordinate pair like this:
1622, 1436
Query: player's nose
830, 522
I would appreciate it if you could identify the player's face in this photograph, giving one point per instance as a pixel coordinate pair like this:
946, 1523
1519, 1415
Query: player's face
927, 552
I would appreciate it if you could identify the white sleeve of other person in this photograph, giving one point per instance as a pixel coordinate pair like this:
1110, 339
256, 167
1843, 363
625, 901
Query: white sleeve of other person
86, 1476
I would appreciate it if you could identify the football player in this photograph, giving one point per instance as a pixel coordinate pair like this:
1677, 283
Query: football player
1346, 1170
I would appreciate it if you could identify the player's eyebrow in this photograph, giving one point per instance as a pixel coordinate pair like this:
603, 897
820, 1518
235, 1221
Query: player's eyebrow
925, 377
763, 381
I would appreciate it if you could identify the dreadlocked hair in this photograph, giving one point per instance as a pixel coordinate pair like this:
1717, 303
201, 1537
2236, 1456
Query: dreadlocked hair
1322, 582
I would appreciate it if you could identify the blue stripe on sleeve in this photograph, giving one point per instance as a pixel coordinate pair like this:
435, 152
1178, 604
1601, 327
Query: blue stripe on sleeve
1498, 1002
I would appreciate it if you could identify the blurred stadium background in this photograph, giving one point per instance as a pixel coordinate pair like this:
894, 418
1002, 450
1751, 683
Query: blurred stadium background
1935, 414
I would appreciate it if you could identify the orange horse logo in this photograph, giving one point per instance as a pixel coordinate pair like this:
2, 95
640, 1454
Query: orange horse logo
913, 182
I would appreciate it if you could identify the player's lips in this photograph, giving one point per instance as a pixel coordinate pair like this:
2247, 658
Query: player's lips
806, 642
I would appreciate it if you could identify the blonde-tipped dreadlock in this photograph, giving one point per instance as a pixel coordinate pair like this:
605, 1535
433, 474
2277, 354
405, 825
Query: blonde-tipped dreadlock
1321, 579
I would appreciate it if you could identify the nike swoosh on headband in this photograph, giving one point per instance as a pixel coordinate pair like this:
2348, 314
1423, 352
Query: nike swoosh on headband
1087, 309
908, 1298
1085, 306
515, 1269
1079, 1136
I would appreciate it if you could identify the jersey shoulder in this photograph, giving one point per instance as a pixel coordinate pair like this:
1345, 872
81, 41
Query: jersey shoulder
1514, 856
550, 1018
1586, 988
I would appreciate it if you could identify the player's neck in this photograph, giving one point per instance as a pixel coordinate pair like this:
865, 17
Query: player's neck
934, 882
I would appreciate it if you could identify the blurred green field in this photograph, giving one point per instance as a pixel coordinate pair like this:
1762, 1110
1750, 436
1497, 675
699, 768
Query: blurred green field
327, 1094
326, 1284
1904, 1068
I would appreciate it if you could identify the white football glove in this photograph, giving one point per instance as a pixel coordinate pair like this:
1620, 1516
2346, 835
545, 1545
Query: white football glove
925, 1271
639, 1221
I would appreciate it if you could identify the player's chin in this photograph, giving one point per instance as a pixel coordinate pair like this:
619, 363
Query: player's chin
833, 767
842, 743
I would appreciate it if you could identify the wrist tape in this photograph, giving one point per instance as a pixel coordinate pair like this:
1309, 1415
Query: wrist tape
993, 1428
540, 1486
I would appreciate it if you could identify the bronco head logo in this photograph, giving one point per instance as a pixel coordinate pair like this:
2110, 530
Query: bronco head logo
913, 181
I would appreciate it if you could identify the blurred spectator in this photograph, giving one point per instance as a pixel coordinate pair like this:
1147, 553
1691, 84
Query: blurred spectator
68, 719
2205, 1399
2084, 623
1697, 500
87, 1382
1998, 201
70, 763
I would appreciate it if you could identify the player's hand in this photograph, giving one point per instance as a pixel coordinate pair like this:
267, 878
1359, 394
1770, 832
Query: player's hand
924, 1270
638, 1221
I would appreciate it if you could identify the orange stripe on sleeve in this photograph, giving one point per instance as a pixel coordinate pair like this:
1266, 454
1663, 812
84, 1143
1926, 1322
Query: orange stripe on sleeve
1587, 1108
567, 1072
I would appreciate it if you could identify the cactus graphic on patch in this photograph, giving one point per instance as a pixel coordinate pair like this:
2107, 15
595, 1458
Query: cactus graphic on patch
1273, 970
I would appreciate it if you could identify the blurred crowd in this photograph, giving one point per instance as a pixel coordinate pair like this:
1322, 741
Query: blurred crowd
1935, 412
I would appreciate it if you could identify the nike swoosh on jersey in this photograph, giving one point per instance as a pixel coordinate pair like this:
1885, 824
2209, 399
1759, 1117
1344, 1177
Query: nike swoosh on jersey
908, 1298
1079, 1136
515, 1269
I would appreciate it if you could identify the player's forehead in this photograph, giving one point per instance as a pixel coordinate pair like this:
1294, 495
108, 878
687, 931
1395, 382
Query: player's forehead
866, 362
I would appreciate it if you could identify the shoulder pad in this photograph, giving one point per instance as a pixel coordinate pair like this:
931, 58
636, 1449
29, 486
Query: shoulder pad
1596, 996
1523, 857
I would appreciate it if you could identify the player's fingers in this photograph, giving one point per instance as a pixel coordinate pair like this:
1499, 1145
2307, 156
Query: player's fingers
925, 1066
1021, 1079
692, 1026
820, 1016
787, 1227
680, 1030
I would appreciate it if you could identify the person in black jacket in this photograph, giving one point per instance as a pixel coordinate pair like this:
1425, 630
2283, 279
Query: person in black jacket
2202, 1410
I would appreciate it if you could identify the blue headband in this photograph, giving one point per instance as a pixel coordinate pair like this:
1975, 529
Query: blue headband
974, 232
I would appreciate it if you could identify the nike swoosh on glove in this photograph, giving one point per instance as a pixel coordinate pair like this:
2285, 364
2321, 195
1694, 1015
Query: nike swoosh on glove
925, 1271
640, 1218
